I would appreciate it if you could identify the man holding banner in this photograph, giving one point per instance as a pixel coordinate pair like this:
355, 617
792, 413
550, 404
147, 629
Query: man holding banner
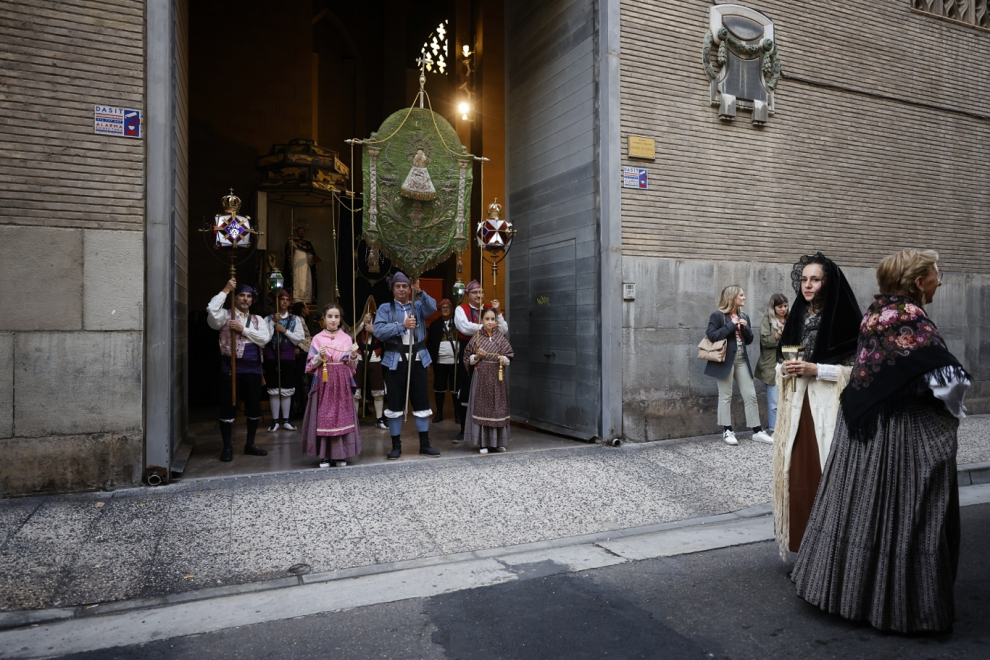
401, 326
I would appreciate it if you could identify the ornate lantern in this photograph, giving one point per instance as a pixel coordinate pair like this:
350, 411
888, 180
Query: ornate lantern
230, 229
275, 280
494, 236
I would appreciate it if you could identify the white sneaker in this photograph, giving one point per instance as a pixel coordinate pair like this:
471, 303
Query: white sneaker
341, 463
483, 450
288, 427
730, 438
324, 464
273, 427
763, 437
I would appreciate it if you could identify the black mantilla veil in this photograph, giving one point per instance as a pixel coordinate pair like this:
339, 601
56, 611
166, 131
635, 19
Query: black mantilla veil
838, 331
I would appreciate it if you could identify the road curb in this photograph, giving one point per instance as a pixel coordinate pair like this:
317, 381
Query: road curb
974, 474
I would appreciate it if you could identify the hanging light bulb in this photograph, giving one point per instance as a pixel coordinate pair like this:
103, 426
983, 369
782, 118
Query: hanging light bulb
464, 108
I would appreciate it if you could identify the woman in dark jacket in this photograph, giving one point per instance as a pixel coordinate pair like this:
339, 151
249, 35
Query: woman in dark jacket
730, 323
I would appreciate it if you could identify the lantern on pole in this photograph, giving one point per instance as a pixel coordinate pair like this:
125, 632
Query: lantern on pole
231, 232
275, 281
494, 236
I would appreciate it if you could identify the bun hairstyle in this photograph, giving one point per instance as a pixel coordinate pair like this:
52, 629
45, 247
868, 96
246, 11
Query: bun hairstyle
897, 272
486, 311
328, 307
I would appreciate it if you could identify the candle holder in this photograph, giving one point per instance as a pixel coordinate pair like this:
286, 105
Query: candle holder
793, 353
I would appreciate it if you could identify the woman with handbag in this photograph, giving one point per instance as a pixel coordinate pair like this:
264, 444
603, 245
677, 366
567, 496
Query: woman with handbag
771, 327
728, 323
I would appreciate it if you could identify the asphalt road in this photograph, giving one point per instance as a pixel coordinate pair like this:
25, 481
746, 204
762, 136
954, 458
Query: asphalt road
730, 603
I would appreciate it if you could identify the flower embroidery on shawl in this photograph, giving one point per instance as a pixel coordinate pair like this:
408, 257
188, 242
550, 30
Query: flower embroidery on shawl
892, 328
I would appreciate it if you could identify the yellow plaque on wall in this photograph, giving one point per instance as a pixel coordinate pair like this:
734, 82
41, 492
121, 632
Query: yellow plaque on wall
642, 147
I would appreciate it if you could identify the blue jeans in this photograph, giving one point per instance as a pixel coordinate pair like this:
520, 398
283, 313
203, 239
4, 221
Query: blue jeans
771, 407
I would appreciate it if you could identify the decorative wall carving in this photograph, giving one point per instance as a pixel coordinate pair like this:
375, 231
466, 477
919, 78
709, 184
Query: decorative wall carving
975, 13
746, 67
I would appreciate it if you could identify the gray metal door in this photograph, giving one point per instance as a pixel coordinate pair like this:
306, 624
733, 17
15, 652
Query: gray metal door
554, 184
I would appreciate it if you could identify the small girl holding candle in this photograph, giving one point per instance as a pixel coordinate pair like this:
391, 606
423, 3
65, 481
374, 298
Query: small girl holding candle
488, 353
330, 426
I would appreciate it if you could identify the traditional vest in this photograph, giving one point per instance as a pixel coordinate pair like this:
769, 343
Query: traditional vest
242, 342
374, 345
288, 349
473, 316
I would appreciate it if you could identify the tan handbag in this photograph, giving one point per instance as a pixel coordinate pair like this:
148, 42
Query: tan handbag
713, 351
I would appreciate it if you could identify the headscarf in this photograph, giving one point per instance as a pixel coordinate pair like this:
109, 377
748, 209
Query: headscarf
472, 285
246, 288
445, 301
897, 344
397, 278
840, 314
284, 294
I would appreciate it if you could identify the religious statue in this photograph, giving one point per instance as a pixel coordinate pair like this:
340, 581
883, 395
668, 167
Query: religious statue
418, 184
300, 266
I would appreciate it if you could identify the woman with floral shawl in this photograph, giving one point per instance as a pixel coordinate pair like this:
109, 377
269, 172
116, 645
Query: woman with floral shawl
882, 543
487, 354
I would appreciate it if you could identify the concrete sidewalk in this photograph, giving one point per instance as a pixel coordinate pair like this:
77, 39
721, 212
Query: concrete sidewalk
81, 550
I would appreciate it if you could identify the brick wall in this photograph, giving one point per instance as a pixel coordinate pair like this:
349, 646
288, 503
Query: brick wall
856, 173
71, 247
878, 143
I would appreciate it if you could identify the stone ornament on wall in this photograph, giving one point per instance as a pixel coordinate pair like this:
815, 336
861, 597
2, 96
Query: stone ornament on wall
744, 71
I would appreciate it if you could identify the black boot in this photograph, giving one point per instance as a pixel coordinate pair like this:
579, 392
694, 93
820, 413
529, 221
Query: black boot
226, 431
249, 448
439, 396
396, 449
424, 445
460, 434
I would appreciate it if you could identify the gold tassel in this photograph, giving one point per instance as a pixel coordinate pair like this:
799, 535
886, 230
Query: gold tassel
500, 365
326, 374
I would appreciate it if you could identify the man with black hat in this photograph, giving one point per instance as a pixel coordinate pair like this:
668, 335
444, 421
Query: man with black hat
251, 334
399, 324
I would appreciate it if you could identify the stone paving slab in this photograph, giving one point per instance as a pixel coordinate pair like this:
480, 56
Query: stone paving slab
83, 549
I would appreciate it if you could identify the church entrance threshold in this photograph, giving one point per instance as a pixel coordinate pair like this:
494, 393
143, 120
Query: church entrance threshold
285, 447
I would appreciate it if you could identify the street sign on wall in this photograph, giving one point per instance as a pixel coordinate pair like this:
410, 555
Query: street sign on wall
635, 177
122, 122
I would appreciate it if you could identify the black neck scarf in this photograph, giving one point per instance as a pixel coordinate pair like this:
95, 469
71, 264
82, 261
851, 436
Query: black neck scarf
840, 315
898, 344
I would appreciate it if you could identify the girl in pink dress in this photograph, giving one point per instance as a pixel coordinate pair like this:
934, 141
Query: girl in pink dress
330, 426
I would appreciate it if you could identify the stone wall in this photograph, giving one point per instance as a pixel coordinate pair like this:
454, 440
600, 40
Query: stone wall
876, 145
71, 248
667, 394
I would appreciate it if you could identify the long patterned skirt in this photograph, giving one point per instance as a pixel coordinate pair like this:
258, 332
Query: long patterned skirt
330, 426
488, 408
882, 543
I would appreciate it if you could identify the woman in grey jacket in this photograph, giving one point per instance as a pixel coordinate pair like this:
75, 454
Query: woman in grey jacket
730, 323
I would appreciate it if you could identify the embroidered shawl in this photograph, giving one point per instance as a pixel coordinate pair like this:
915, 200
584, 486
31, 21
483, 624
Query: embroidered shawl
898, 344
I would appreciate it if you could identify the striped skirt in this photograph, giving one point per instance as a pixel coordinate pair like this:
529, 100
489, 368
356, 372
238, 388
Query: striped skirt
882, 543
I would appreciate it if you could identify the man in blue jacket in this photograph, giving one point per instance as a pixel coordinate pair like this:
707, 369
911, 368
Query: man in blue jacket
399, 324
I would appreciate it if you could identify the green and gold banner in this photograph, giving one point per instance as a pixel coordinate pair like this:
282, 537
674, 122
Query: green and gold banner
417, 187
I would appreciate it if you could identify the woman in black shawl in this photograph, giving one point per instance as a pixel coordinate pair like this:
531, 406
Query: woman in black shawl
882, 543
824, 320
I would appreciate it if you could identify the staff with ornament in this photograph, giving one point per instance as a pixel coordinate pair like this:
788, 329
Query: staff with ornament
242, 334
